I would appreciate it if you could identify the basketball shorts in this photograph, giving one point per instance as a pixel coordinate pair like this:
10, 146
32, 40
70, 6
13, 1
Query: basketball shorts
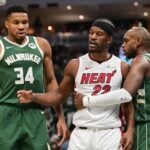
95, 139
23, 129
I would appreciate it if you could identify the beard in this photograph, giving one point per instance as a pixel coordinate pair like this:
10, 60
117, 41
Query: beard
97, 46
94, 51
93, 48
130, 55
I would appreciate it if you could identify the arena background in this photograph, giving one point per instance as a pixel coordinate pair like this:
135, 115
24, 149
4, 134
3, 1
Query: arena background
65, 25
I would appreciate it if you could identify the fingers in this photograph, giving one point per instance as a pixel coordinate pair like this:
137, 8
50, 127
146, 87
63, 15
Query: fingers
19, 95
24, 96
61, 141
63, 137
19, 91
127, 145
79, 95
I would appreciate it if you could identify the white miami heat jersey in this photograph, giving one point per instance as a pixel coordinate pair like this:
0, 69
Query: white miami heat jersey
95, 78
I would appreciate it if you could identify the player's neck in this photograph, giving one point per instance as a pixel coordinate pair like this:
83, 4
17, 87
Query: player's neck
100, 57
143, 50
18, 41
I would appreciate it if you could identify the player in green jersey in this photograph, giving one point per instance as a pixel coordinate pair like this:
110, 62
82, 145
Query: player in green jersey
137, 45
25, 63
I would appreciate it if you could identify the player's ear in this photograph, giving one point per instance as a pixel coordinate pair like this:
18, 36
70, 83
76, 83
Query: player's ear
139, 41
6, 24
109, 39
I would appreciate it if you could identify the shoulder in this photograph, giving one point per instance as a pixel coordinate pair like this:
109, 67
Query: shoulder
124, 69
73, 64
44, 44
140, 63
124, 65
42, 41
72, 67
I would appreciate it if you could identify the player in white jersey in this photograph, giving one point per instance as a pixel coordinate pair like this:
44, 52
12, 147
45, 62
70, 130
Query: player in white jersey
96, 72
136, 45
95, 78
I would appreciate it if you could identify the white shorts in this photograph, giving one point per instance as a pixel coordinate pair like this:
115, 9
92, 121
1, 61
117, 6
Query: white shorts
95, 139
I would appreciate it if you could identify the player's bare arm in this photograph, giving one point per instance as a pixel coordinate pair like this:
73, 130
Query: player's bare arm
128, 110
50, 80
127, 137
57, 96
138, 72
51, 84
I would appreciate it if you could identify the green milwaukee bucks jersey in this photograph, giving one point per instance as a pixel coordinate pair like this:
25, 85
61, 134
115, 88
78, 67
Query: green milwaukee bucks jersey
21, 67
143, 99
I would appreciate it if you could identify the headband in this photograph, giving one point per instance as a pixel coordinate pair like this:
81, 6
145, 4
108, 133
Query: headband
108, 28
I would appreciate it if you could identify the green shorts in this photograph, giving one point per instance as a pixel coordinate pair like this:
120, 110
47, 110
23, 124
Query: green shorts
142, 136
23, 129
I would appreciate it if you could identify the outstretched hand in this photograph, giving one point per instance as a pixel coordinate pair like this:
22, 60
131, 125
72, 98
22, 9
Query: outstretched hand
25, 96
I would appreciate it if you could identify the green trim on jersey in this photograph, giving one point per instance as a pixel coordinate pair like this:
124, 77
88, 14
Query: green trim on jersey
147, 56
142, 136
21, 67
143, 99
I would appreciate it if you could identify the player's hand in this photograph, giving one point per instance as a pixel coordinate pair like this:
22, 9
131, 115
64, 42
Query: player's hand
63, 133
25, 96
78, 101
127, 140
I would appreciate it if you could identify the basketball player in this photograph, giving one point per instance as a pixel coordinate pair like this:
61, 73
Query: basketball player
23, 59
95, 72
136, 44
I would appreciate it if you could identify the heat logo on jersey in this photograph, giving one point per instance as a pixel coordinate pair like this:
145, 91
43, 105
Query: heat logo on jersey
92, 78
97, 78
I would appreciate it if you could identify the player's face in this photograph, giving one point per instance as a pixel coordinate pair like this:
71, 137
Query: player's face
17, 25
98, 40
129, 45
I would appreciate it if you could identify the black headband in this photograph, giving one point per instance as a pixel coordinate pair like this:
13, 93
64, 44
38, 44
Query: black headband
108, 28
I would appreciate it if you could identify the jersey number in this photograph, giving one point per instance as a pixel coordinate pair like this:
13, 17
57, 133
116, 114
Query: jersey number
99, 89
22, 77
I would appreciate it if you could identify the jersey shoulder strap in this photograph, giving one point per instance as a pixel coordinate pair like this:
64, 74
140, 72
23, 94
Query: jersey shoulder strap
147, 56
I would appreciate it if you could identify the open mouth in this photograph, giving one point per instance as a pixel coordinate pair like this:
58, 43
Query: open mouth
91, 44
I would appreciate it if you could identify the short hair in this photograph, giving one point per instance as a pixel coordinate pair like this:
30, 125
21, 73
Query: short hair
106, 25
15, 9
142, 33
